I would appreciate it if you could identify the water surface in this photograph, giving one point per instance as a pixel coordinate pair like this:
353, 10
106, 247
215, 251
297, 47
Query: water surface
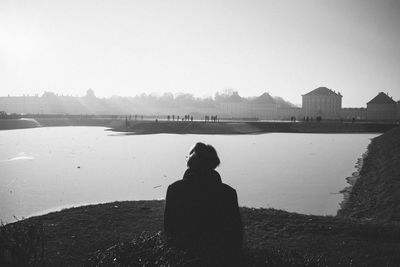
43, 169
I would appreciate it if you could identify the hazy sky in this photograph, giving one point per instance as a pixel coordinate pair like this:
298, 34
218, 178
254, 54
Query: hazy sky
286, 48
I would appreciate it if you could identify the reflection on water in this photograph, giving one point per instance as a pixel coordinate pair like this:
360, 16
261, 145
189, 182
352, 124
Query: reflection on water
19, 156
71, 166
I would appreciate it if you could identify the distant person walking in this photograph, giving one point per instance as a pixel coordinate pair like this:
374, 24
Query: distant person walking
201, 212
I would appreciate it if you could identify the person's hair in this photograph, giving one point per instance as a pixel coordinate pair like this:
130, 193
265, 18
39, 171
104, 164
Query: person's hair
203, 157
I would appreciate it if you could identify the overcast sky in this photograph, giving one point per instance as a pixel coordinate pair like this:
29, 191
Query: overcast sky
125, 48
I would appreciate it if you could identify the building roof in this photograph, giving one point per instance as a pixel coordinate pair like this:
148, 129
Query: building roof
265, 98
234, 98
323, 91
382, 98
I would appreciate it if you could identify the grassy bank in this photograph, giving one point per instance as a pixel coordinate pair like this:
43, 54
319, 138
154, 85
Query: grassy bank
11, 124
81, 121
8, 124
375, 194
74, 235
152, 127
197, 127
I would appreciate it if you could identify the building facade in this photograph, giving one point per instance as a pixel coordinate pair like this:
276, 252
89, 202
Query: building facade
382, 108
354, 113
263, 107
287, 113
322, 102
319, 102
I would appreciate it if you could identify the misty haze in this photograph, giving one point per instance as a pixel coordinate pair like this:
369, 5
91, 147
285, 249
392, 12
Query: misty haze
200, 133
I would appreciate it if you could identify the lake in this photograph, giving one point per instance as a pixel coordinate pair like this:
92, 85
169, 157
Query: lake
46, 169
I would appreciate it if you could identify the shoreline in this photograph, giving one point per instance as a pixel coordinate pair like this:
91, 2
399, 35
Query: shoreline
374, 195
200, 127
351, 180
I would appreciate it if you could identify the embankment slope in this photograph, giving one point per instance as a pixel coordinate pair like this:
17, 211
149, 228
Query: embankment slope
376, 194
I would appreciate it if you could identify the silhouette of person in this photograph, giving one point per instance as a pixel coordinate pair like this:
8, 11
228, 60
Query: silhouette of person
201, 212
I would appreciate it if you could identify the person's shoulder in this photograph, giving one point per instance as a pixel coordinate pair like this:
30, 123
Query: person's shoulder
228, 189
177, 185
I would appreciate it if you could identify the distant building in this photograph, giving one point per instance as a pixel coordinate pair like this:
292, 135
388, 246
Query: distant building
229, 105
354, 113
381, 108
286, 113
322, 102
20, 104
90, 94
232, 106
263, 107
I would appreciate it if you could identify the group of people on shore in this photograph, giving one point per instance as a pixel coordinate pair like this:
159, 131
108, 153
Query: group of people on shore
183, 118
212, 118
317, 119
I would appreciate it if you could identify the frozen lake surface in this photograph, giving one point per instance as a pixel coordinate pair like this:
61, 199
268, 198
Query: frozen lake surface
44, 169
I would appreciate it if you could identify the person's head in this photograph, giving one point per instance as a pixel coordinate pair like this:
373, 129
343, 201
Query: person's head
203, 157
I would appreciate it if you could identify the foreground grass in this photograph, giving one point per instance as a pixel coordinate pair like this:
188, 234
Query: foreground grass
375, 195
75, 235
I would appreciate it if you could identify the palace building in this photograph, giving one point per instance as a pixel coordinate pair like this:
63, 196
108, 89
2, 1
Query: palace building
381, 108
322, 102
262, 107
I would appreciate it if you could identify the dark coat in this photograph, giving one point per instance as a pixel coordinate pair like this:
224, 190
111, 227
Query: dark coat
201, 211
